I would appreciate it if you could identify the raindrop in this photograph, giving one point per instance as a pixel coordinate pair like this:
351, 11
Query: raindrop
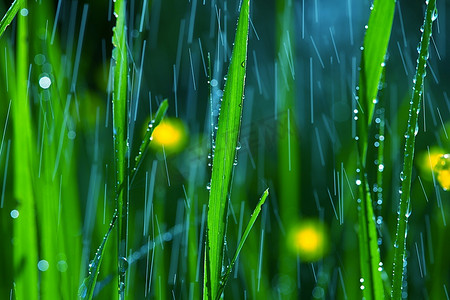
434, 15
123, 265
39, 59
62, 266
43, 265
71, 135
45, 82
14, 214
24, 12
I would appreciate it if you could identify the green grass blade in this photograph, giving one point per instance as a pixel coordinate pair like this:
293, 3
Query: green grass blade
160, 113
375, 45
411, 131
86, 290
25, 168
289, 163
120, 130
373, 55
9, 16
224, 154
249, 227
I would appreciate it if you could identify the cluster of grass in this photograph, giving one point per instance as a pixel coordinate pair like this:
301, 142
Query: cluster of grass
94, 207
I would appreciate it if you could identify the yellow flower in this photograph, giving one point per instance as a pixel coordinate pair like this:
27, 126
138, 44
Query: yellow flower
309, 239
427, 162
442, 169
171, 134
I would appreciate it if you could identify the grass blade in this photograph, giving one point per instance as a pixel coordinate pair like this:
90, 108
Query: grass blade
249, 227
411, 131
9, 16
224, 155
120, 134
160, 113
373, 55
375, 45
289, 164
25, 166
86, 290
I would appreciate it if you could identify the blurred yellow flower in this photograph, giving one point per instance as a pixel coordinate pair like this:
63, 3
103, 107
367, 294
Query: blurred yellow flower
427, 162
309, 239
171, 134
442, 169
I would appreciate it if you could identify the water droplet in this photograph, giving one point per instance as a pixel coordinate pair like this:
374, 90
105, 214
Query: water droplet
43, 265
402, 176
71, 134
62, 266
82, 291
39, 59
123, 265
24, 12
121, 287
45, 82
14, 214
434, 15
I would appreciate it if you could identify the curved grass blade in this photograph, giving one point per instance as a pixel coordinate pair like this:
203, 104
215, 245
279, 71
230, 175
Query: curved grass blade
86, 290
373, 55
224, 155
10, 14
410, 135
160, 113
252, 221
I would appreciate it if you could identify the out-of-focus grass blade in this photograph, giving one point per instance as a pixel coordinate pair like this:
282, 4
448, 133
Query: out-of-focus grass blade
10, 14
249, 227
224, 155
373, 55
411, 131
25, 168
86, 290
160, 113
